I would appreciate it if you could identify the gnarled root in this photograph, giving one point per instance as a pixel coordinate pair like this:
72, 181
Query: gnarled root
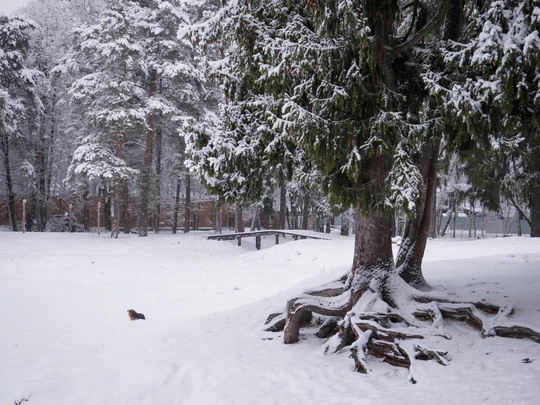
471, 314
517, 332
384, 343
297, 309
371, 321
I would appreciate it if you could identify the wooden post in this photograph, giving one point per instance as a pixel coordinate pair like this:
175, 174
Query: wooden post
24, 215
277, 238
258, 242
239, 240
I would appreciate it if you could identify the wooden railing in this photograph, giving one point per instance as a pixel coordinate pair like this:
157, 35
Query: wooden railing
257, 234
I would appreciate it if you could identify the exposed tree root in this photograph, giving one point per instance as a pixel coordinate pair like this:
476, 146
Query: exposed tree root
299, 307
518, 332
379, 322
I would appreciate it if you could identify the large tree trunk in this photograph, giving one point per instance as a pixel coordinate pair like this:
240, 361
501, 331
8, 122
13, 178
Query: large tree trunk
373, 265
146, 178
373, 257
117, 199
535, 211
372, 243
373, 237
9, 184
413, 246
125, 206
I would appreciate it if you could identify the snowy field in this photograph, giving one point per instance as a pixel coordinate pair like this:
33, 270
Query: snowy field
65, 337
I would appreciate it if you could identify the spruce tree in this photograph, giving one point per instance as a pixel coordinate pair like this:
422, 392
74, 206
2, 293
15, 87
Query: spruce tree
108, 101
19, 97
175, 90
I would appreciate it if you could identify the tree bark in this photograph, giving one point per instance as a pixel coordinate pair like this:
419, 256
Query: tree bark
187, 211
9, 184
176, 206
535, 211
148, 158
373, 259
125, 206
256, 220
41, 171
372, 242
413, 246
345, 221
455, 217
433, 223
454, 20
217, 209
449, 215
239, 216
44, 151
86, 207
157, 188
293, 224
282, 202
373, 255
117, 201
305, 211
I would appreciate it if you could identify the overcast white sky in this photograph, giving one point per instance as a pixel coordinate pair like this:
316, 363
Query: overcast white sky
7, 6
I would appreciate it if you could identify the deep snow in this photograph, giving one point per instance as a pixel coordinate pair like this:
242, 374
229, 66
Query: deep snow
65, 336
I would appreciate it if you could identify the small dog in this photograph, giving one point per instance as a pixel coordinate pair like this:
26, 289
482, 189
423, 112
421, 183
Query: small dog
134, 315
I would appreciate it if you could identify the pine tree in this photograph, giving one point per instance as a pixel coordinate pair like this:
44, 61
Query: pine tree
47, 148
142, 81
108, 101
19, 98
173, 81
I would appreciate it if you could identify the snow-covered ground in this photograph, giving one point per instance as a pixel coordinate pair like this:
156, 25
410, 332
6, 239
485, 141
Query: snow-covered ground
65, 337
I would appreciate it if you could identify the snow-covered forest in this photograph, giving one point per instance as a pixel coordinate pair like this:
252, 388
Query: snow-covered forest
135, 104
391, 118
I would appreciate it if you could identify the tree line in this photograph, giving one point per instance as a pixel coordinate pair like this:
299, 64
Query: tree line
142, 98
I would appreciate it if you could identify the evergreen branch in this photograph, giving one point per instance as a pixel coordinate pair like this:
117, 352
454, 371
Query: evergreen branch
420, 35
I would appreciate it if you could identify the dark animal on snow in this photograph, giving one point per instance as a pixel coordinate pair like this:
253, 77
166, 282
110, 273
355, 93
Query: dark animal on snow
134, 315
